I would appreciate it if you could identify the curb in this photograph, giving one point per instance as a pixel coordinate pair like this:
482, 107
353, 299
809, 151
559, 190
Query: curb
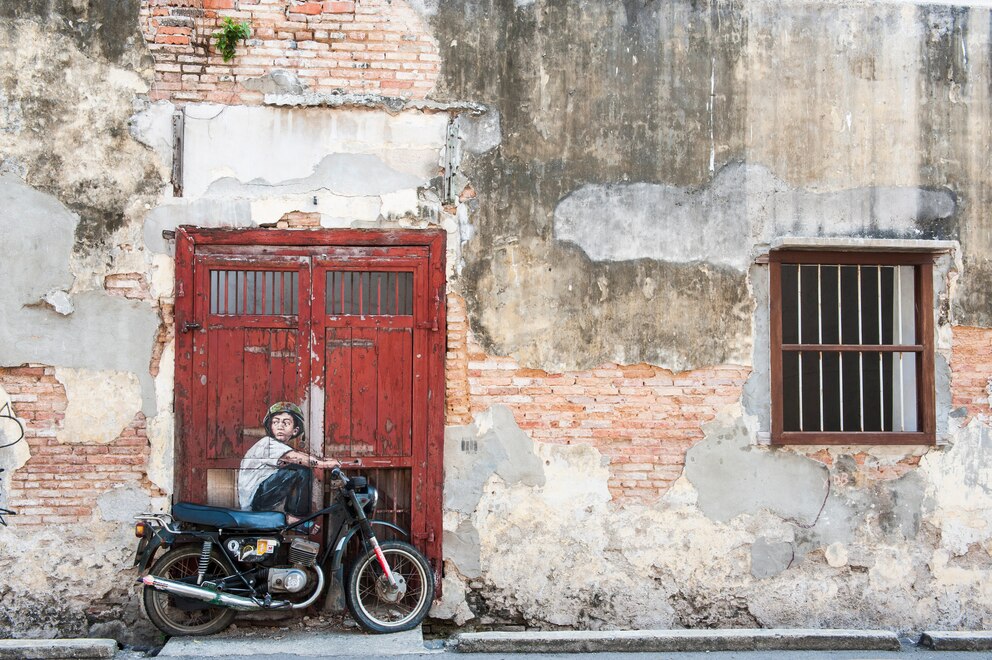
670, 641
957, 641
43, 649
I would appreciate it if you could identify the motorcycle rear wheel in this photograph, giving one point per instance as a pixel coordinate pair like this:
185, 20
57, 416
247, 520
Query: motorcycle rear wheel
370, 600
180, 564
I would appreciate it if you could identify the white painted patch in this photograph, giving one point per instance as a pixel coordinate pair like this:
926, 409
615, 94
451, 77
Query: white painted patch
161, 427
100, 404
742, 207
14, 451
59, 301
399, 203
127, 79
836, 554
269, 209
272, 145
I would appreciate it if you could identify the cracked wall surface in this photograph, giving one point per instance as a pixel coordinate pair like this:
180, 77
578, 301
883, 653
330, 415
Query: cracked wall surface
826, 541
607, 174
649, 155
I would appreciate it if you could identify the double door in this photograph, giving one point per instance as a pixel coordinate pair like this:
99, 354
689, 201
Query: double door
349, 325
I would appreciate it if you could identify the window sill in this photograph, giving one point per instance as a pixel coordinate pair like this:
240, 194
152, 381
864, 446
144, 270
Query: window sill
852, 438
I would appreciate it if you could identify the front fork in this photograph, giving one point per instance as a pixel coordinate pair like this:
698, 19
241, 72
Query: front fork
369, 533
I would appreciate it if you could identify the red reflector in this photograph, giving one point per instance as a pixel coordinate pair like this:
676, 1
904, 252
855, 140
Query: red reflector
139, 530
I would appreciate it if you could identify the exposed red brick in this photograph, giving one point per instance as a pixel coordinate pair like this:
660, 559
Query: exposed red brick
642, 417
971, 371
327, 44
60, 483
339, 7
309, 8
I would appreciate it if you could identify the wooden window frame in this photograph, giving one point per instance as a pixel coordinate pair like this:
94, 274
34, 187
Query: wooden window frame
922, 263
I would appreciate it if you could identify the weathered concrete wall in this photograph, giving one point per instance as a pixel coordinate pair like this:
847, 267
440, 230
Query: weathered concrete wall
703, 130
649, 152
620, 168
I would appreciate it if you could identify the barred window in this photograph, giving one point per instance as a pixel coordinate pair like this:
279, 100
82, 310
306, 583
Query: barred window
852, 348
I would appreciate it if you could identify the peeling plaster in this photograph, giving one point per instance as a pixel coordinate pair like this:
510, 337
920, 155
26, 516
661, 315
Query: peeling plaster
734, 477
101, 404
161, 427
276, 146
492, 445
743, 206
960, 487
14, 453
231, 213
123, 503
103, 332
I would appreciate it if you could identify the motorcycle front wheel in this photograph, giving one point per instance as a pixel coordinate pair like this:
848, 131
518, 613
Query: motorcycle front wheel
177, 616
379, 607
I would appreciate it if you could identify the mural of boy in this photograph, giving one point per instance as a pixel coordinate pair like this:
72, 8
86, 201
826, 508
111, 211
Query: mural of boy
276, 474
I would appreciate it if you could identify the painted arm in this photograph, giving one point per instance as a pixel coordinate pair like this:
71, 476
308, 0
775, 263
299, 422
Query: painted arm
299, 458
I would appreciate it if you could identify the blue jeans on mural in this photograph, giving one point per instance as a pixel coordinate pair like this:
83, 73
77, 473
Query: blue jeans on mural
290, 484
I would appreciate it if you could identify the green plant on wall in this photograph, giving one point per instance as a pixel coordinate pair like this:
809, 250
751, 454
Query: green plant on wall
229, 35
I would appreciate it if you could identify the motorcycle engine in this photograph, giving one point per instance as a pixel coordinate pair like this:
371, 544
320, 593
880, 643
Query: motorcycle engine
287, 580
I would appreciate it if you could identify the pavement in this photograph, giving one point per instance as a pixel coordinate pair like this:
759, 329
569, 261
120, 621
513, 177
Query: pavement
357, 644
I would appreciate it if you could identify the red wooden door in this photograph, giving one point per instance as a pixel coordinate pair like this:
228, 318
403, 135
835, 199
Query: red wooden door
250, 337
349, 324
369, 318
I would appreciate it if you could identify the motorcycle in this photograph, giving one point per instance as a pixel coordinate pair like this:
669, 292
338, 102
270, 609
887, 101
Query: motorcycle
220, 561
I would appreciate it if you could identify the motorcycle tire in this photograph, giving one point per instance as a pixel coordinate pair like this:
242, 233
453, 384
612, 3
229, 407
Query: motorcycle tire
165, 609
374, 605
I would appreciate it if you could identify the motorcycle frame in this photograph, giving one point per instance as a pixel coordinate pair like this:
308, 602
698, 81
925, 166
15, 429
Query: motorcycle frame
163, 535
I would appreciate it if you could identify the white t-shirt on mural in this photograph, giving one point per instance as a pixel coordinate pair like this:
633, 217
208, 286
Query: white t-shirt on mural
260, 463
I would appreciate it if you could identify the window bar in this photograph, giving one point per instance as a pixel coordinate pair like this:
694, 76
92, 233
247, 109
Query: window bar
227, 274
819, 332
902, 393
361, 295
265, 299
213, 292
378, 294
840, 356
282, 293
799, 317
861, 355
341, 276
881, 362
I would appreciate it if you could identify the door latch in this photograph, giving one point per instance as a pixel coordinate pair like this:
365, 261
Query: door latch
190, 326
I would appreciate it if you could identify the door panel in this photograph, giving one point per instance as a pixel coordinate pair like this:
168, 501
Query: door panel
350, 324
248, 352
369, 395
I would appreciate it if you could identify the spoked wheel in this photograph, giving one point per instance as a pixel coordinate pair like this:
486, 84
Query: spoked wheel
178, 616
380, 607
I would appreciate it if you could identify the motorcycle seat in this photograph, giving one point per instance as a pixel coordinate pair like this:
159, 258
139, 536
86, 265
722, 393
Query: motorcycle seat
224, 518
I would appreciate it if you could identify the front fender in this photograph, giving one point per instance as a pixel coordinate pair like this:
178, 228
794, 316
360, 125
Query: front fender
343, 543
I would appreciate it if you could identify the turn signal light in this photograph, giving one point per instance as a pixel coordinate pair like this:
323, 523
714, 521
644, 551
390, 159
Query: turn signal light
139, 530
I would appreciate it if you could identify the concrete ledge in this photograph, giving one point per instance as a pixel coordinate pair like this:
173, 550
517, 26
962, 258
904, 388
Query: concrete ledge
670, 641
42, 649
940, 640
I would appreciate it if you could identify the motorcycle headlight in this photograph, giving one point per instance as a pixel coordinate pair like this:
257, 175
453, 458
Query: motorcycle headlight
369, 506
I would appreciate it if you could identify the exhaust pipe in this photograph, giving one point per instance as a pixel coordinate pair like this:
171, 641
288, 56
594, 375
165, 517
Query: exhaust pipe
223, 599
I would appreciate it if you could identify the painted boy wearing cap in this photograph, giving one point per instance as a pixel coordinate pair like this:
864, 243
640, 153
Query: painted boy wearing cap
274, 475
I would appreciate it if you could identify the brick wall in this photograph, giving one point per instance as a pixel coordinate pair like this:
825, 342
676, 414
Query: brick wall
643, 418
363, 46
971, 371
60, 483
